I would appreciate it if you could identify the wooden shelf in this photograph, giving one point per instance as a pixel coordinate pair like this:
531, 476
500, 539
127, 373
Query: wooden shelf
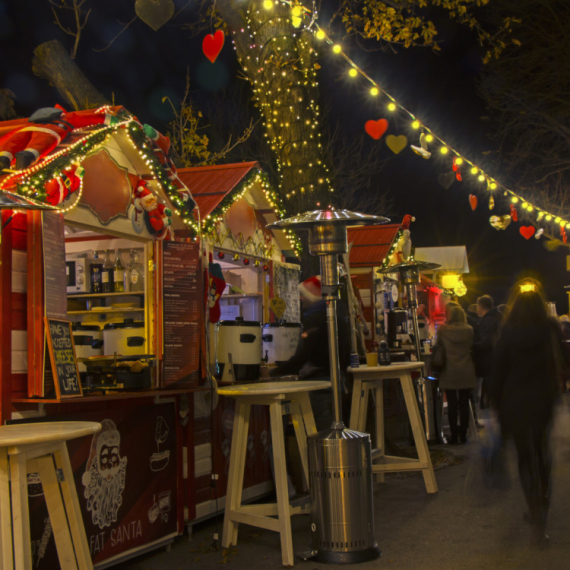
107, 310
115, 396
102, 295
241, 295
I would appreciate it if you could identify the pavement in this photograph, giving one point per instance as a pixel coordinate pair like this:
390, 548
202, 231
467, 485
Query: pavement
464, 526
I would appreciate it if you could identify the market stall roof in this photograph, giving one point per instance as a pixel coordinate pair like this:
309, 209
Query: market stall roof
452, 259
211, 184
371, 244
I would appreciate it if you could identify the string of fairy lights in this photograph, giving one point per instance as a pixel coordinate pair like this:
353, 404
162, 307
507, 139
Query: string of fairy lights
429, 137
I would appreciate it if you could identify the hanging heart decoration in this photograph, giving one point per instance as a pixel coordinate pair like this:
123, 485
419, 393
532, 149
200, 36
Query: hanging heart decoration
446, 179
473, 201
455, 168
154, 13
491, 203
514, 214
500, 222
396, 144
552, 244
527, 231
212, 45
538, 233
376, 129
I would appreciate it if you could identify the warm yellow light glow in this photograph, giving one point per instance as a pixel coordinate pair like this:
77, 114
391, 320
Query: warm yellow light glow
527, 287
429, 138
474, 170
416, 125
558, 219
320, 35
460, 289
337, 48
391, 106
444, 150
353, 72
374, 91
459, 161
481, 178
529, 207
296, 11
449, 281
514, 199
268, 4
493, 185
548, 218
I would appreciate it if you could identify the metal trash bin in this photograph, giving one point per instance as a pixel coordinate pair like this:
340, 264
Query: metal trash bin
341, 493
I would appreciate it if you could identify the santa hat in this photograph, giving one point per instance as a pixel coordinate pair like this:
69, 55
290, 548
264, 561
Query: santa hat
310, 289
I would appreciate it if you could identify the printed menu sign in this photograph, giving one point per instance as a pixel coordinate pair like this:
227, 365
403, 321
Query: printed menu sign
55, 282
62, 357
182, 292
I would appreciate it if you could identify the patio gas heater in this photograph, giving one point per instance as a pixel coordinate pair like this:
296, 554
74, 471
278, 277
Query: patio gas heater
340, 466
410, 277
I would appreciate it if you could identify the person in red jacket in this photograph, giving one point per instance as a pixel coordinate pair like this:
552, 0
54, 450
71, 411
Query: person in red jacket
46, 128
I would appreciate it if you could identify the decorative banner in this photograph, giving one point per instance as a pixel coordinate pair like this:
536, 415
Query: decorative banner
473, 201
491, 203
446, 179
154, 13
376, 128
527, 231
212, 45
396, 144
500, 222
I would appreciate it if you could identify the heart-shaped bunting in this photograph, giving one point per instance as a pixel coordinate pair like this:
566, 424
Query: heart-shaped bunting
212, 45
154, 13
396, 144
376, 128
473, 201
527, 231
446, 179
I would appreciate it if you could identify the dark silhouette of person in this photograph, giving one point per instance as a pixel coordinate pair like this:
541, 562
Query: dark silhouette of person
524, 389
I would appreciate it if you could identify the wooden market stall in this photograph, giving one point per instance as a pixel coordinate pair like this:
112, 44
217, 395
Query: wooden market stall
116, 270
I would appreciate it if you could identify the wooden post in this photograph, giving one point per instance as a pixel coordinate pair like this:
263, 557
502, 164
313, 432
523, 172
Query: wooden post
5, 317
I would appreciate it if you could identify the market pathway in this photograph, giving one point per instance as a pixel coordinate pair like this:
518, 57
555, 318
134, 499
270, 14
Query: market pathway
463, 527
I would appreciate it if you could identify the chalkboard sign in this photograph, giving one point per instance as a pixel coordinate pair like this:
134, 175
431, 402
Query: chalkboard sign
62, 357
286, 286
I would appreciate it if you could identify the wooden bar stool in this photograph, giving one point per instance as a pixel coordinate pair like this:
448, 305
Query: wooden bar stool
41, 448
367, 378
290, 397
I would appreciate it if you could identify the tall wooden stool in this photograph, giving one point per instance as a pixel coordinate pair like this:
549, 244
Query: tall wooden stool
367, 378
282, 398
40, 448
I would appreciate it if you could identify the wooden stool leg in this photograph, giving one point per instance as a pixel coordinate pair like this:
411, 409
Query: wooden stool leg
74, 516
6, 560
20, 514
356, 404
418, 432
283, 507
361, 425
380, 445
235, 475
307, 411
56, 510
301, 435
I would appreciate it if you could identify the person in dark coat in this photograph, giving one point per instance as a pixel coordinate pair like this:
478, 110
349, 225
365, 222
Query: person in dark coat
311, 359
524, 389
485, 337
458, 376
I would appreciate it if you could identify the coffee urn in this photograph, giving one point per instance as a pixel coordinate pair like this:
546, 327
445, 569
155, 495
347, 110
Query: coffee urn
340, 464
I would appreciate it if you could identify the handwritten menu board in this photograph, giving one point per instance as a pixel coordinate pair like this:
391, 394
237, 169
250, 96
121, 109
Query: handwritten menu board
286, 287
55, 282
62, 358
182, 303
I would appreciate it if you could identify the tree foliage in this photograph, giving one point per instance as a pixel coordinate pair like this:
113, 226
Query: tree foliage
526, 91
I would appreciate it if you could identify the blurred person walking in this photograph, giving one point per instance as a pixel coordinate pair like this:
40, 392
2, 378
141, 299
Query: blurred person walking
458, 376
485, 337
524, 389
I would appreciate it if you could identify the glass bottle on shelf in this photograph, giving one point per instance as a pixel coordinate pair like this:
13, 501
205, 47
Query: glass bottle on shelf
96, 275
135, 272
107, 275
118, 273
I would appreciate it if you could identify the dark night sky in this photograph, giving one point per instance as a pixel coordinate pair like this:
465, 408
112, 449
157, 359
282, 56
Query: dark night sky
144, 66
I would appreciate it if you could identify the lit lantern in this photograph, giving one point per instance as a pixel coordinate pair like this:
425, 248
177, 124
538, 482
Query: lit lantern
450, 281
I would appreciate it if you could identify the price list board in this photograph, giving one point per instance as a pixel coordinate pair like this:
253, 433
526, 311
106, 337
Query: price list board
55, 283
182, 313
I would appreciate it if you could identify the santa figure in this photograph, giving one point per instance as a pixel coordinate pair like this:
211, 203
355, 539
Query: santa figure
105, 474
216, 286
406, 242
159, 217
46, 128
161, 148
58, 189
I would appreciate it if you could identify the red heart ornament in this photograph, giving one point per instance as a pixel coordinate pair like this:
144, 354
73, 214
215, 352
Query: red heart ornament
212, 45
376, 128
473, 201
527, 231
